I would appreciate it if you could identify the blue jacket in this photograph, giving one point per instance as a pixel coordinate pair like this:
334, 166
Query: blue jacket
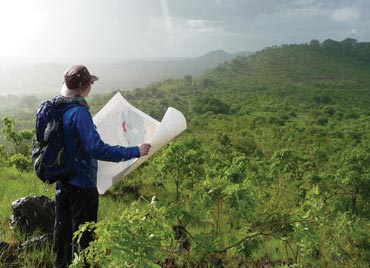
84, 145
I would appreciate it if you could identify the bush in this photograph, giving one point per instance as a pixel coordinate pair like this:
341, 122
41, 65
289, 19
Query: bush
213, 105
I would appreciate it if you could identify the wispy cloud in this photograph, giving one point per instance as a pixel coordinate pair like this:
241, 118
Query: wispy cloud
205, 26
345, 15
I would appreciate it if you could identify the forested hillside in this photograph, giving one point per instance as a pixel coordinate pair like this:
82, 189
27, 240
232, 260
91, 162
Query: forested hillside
273, 170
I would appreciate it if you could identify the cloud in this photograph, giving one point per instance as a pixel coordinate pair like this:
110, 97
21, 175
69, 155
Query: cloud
117, 29
345, 15
205, 26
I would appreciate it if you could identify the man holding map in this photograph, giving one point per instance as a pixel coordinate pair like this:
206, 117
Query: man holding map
77, 199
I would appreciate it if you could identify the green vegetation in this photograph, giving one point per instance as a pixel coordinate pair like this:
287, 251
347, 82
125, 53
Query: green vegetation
273, 170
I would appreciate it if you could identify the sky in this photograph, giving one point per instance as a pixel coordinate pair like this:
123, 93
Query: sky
113, 30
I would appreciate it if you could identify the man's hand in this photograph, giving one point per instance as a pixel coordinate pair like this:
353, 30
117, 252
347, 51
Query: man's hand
144, 148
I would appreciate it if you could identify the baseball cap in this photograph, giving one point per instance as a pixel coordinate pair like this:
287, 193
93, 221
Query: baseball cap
77, 78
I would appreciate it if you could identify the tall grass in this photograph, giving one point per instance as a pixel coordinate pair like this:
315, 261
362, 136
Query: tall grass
15, 185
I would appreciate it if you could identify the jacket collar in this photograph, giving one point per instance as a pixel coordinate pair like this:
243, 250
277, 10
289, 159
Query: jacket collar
61, 100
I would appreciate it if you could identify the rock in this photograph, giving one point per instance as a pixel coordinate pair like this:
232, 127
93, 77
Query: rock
33, 213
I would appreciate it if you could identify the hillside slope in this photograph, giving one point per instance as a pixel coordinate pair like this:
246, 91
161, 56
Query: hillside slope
299, 71
281, 140
295, 63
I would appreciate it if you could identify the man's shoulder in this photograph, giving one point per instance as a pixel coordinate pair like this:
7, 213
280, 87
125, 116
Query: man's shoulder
77, 112
79, 108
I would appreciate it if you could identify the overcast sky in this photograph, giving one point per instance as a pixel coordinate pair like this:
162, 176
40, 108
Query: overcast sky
94, 30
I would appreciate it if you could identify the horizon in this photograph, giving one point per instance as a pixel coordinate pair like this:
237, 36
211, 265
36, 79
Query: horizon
31, 77
33, 61
39, 61
19, 76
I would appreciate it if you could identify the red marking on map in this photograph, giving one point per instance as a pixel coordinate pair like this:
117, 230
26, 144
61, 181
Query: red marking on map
124, 126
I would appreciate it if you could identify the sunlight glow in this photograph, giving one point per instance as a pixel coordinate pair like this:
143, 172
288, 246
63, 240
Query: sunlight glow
19, 25
167, 19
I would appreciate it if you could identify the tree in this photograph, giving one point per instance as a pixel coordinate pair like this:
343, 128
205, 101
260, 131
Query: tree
29, 102
20, 162
354, 173
315, 44
188, 79
2, 154
331, 46
17, 138
348, 45
182, 161
211, 104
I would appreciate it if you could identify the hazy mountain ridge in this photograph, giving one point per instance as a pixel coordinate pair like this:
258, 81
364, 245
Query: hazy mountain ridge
299, 63
48, 77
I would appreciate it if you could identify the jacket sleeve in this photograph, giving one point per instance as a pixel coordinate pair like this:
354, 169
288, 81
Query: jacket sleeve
93, 144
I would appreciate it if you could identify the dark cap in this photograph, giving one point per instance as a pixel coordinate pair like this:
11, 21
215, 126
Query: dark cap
77, 77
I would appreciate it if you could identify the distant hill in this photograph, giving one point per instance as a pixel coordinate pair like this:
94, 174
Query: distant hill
303, 63
128, 74
327, 73
300, 71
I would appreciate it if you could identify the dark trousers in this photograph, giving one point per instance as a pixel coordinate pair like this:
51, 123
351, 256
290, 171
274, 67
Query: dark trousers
73, 206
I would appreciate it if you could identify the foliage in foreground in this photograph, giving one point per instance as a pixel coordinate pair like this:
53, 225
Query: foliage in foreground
133, 240
225, 221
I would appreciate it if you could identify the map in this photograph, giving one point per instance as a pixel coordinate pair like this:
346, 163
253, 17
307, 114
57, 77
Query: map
131, 124
120, 123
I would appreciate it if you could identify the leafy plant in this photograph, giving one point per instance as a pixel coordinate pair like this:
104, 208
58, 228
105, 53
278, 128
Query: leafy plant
139, 238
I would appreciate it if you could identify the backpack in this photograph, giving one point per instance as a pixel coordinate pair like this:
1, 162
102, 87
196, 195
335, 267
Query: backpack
49, 156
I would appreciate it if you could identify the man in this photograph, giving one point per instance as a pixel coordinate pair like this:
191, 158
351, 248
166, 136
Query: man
77, 198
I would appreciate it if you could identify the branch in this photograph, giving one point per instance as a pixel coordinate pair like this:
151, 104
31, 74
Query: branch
262, 232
